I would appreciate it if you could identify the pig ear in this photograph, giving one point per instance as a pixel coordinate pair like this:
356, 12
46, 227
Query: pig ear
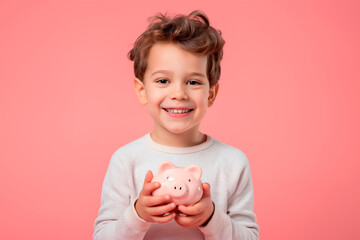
166, 165
195, 170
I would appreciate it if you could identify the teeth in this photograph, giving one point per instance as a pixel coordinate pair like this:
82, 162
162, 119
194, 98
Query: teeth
178, 110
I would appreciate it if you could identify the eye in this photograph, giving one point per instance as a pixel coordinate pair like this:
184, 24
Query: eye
162, 81
194, 82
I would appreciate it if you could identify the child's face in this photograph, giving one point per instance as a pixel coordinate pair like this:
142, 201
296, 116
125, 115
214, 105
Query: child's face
175, 88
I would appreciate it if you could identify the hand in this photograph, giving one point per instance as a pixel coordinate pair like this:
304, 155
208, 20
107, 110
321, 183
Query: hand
152, 209
198, 214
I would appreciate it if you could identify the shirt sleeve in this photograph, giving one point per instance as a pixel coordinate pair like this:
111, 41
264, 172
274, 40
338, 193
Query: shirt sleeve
239, 223
117, 217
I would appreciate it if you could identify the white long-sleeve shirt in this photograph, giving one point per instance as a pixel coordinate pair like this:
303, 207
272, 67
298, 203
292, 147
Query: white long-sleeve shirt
224, 167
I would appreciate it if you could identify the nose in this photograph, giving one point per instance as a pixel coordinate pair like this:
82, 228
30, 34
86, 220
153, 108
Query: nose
178, 92
178, 189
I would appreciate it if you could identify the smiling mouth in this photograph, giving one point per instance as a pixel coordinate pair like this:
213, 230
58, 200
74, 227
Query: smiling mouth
173, 110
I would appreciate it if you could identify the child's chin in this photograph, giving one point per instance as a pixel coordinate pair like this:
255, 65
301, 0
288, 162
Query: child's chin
178, 130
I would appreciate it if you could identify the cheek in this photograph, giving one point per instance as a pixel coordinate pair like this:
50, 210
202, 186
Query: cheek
153, 100
201, 98
202, 103
155, 97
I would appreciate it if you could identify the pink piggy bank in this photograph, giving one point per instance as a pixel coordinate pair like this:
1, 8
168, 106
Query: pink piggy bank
182, 184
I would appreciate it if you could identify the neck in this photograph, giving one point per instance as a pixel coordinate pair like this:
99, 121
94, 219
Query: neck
186, 139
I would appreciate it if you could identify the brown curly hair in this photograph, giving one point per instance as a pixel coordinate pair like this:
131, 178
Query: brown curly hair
193, 33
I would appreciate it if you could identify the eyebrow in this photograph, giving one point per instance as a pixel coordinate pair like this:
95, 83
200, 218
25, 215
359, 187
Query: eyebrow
169, 72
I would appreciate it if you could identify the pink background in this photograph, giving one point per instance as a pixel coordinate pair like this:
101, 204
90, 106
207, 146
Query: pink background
289, 98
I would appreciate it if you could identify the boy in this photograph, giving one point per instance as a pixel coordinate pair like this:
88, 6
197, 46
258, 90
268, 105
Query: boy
177, 68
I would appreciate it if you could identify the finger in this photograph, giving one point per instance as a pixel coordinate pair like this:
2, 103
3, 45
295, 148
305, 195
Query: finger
187, 221
161, 210
157, 200
149, 187
206, 190
191, 210
148, 177
164, 219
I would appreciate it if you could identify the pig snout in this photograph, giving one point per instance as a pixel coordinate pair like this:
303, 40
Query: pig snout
178, 189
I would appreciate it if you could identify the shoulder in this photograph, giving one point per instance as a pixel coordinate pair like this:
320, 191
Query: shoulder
132, 147
230, 154
227, 162
229, 168
129, 151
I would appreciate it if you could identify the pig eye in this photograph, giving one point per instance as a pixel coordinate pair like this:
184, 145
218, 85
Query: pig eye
189, 180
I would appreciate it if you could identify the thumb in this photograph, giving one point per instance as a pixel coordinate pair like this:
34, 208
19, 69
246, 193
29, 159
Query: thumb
148, 177
206, 189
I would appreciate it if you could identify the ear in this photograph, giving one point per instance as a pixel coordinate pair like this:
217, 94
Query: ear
166, 165
212, 94
195, 170
140, 91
